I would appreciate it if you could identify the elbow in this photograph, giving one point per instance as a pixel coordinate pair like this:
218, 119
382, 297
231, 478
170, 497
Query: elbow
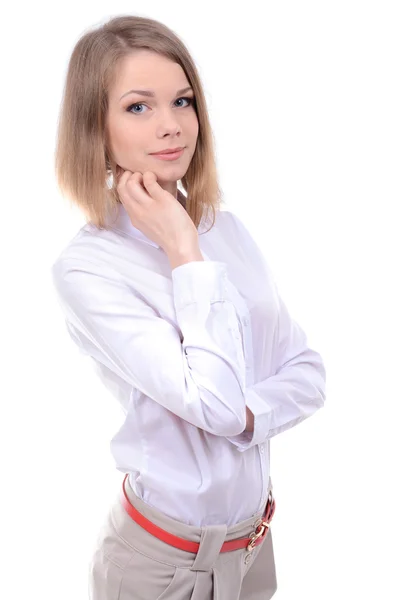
321, 397
321, 381
222, 416
233, 425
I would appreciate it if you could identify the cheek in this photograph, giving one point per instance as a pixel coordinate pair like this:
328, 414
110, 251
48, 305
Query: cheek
132, 140
118, 135
193, 127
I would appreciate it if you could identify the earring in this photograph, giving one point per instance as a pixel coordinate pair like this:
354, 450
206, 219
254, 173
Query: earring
110, 181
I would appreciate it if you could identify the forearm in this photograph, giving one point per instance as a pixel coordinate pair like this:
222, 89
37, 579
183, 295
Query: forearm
178, 258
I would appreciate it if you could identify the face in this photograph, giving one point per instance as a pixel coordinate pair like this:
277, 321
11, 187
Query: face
139, 125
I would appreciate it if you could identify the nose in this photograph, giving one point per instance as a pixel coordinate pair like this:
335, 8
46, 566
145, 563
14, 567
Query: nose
169, 122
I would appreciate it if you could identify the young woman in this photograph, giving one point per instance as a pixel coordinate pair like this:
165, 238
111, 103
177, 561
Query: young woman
183, 321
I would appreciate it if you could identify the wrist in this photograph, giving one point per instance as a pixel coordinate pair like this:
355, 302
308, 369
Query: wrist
182, 256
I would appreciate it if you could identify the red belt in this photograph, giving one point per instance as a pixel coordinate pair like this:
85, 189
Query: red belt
256, 538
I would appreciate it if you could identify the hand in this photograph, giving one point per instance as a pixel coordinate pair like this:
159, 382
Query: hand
249, 420
155, 212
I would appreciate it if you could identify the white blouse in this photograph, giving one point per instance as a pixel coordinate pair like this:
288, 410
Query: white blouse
184, 351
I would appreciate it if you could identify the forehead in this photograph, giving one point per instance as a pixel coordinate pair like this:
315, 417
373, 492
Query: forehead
147, 70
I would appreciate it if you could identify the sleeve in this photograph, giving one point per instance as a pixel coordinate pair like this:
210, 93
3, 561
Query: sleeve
297, 388
201, 377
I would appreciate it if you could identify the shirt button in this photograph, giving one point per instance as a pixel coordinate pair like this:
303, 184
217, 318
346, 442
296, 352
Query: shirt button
262, 449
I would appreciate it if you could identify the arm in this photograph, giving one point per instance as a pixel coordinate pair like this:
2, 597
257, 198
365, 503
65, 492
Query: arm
264, 429
296, 387
249, 420
294, 393
199, 376
176, 260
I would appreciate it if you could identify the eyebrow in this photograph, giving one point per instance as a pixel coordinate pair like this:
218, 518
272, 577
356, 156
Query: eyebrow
152, 94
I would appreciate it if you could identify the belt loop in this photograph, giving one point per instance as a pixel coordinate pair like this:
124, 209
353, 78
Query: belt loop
212, 538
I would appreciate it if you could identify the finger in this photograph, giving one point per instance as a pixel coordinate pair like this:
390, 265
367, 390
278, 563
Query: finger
122, 176
151, 184
136, 189
126, 176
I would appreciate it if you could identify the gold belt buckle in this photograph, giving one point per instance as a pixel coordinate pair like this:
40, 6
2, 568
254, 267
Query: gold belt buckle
257, 534
260, 527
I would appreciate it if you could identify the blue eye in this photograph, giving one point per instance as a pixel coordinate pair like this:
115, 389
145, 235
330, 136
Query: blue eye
190, 101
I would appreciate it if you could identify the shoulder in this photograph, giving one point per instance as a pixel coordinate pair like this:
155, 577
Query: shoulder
90, 250
245, 242
230, 221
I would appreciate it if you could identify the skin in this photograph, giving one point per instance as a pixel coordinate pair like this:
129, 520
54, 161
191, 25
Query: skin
165, 121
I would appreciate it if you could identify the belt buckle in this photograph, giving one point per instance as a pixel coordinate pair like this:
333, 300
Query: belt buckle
257, 534
261, 525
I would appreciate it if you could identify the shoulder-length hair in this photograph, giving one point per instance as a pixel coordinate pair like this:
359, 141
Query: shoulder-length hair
83, 164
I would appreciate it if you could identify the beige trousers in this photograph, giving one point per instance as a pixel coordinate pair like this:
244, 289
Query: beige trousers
131, 564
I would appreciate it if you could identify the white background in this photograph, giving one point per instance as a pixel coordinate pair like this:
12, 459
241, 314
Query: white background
304, 103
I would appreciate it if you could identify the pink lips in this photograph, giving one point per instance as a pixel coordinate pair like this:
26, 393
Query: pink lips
169, 150
169, 155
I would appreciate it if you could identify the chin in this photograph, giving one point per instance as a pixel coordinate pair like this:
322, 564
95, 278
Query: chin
172, 175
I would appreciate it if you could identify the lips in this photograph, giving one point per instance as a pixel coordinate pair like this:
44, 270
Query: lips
171, 151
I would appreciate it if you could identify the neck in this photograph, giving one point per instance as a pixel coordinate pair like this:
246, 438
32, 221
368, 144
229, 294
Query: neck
181, 198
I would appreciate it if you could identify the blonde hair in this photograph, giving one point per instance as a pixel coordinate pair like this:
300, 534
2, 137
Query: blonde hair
82, 161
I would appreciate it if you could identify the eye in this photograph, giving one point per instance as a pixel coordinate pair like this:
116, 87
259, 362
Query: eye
189, 100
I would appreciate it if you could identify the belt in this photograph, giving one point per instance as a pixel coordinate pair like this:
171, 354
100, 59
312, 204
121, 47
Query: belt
256, 538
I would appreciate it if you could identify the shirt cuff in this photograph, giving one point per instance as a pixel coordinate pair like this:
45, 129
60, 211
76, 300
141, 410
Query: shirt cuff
199, 280
261, 412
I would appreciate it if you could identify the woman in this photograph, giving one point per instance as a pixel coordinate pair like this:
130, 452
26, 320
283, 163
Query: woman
184, 324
